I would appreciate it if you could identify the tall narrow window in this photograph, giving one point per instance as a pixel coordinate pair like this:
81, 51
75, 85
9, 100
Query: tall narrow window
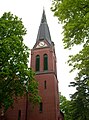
45, 62
37, 63
45, 84
19, 115
41, 107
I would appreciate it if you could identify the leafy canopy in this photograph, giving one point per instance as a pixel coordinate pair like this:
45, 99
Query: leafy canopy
80, 100
16, 79
74, 15
65, 107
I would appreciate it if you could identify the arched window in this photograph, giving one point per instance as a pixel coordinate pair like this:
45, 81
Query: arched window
37, 63
45, 62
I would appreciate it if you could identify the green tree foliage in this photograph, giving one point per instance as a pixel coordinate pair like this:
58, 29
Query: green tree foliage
16, 79
80, 101
80, 61
74, 15
65, 107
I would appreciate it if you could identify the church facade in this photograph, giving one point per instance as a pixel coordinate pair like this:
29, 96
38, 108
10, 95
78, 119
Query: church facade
43, 62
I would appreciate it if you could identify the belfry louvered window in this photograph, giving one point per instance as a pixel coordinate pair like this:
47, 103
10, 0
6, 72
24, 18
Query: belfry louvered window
45, 62
37, 63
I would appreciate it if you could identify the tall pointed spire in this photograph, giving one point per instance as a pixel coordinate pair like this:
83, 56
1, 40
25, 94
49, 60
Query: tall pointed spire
43, 32
43, 17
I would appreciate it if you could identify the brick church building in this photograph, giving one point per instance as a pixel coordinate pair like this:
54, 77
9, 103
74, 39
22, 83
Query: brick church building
43, 62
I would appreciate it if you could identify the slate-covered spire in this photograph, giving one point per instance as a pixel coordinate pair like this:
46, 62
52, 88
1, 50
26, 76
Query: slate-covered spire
43, 17
43, 32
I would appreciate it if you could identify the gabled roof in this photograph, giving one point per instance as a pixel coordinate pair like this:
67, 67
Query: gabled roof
43, 32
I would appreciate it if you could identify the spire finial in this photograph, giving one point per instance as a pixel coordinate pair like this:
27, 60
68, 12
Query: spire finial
43, 8
43, 16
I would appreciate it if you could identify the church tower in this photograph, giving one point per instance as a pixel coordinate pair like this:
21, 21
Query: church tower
43, 62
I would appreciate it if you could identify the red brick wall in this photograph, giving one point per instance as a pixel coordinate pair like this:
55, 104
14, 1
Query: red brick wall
50, 98
41, 52
12, 113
